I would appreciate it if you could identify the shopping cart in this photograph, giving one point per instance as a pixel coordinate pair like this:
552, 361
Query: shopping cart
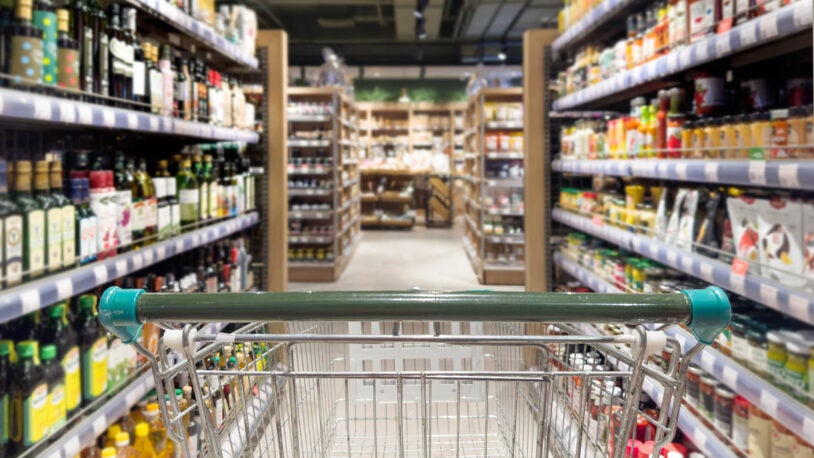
414, 374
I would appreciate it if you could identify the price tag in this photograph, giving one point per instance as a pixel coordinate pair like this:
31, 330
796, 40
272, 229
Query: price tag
740, 267
757, 172
310, 192
64, 288
664, 170
179, 246
801, 15
67, 114
788, 176
30, 300
108, 118
296, 215
133, 396
598, 221
748, 34
768, 403
121, 267
768, 295
71, 447
684, 57
154, 123
701, 52
100, 273
138, 262
706, 273
799, 307
161, 252
737, 283
711, 172
756, 154
654, 251
730, 377
672, 258
85, 114
681, 171
42, 109
686, 264
722, 45
768, 27
132, 121
672, 62
699, 438
808, 427
148, 257
707, 361
99, 425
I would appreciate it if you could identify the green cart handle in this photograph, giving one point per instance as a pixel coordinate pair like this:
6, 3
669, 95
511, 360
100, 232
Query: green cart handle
706, 312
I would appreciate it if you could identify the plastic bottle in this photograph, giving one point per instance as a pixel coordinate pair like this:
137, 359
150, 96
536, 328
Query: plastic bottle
109, 452
123, 448
93, 348
158, 434
142, 444
5, 382
57, 332
29, 398
55, 376
110, 437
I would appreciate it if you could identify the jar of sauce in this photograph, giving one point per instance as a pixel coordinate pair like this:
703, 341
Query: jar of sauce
796, 367
697, 142
686, 138
728, 138
724, 404
776, 354
694, 373
707, 405
712, 138
740, 345
797, 133
762, 131
740, 422
760, 433
757, 350
675, 124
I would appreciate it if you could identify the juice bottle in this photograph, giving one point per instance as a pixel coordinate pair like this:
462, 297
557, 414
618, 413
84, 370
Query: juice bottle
55, 376
5, 383
158, 434
743, 136
110, 437
57, 332
142, 444
797, 132
93, 348
687, 138
712, 138
761, 131
661, 123
697, 140
123, 448
728, 137
780, 134
29, 399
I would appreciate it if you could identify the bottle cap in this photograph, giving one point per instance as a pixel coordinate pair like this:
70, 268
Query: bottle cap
207, 158
5, 348
22, 167
87, 301
56, 311
162, 164
109, 452
48, 352
152, 407
142, 429
187, 390
122, 439
63, 19
25, 349
97, 179
186, 163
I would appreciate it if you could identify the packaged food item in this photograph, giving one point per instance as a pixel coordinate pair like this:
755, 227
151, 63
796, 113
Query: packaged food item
693, 390
760, 433
688, 221
743, 214
808, 244
724, 404
740, 422
704, 14
707, 398
780, 134
709, 90
671, 234
707, 242
801, 448
780, 226
782, 440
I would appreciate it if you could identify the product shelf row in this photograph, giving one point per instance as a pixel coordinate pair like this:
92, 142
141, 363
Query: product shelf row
765, 29
48, 110
771, 400
31, 296
797, 304
791, 174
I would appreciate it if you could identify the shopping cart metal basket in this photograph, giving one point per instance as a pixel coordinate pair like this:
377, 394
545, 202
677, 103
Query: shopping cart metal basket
414, 374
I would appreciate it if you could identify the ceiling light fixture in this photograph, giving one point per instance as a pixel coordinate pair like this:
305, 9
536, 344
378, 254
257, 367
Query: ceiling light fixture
418, 14
501, 56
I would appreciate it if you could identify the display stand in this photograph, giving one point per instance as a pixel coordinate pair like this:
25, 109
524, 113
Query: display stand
493, 195
323, 183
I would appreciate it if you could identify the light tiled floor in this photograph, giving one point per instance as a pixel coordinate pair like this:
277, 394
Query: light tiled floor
398, 260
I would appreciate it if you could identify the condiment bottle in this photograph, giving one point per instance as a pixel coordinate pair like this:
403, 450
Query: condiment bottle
727, 137
697, 150
743, 136
55, 377
93, 348
761, 132
24, 45
687, 132
797, 133
780, 134
712, 138
724, 403
661, 124
29, 399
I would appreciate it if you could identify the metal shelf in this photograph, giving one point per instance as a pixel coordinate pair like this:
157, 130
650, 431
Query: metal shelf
48, 110
504, 182
310, 171
504, 125
786, 21
293, 117
304, 143
310, 214
295, 192
784, 299
491, 211
30, 296
585, 276
505, 239
785, 174
199, 31
580, 31
504, 155
307, 239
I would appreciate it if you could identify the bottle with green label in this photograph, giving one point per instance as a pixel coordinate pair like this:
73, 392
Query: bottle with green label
53, 216
55, 377
145, 204
57, 332
68, 215
5, 382
213, 182
29, 400
33, 222
93, 350
23, 46
161, 184
200, 171
187, 193
85, 220
11, 235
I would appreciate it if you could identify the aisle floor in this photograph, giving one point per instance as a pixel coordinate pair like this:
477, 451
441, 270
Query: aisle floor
398, 260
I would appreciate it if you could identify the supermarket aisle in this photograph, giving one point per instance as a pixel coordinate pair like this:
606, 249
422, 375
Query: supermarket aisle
395, 260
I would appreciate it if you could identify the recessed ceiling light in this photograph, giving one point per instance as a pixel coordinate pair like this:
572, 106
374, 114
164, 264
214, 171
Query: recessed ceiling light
501, 56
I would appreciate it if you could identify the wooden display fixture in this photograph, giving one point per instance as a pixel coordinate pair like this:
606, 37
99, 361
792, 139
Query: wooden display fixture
387, 199
493, 186
323, 177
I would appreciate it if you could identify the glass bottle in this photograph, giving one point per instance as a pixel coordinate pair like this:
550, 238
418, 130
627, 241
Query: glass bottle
93, 350
144, 198
45, 18
6, 379
226, 101
101, 52
57, 332
123, 183
33, 222
182, 103
203, 93
67, 217
139, 67
53, 216
213, 188
158, 433
29, 396
156, 83
187, 194
168, 88
85, 220
142, 443
160, 181
11, 235
123, 448
83, 34
119, 57
23, 42
200, 171
55, 377
68, 57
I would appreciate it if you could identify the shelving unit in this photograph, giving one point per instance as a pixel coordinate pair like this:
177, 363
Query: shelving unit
323, 170
743, 48
493, 184
387, 199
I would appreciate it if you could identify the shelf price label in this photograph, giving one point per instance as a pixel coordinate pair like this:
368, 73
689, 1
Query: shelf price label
740, 266
748, 34
722, 45
768, 27
85, 114
598, 221
788, 176
757, 172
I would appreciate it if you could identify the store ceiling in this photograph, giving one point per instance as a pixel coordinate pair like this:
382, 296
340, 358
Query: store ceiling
386, 32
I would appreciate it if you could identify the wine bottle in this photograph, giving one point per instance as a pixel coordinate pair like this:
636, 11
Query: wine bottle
23, 42
68, 56
45, 17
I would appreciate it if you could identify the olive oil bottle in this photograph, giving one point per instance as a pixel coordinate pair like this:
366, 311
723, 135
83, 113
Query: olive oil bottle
33, 222
11, 235
188, 195
23, 41
53, 216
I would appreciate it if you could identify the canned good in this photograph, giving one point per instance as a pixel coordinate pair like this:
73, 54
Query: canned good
707, 404
724, 404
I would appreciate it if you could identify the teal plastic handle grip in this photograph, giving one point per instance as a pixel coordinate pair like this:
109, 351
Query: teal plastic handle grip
117, 312
711, 313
